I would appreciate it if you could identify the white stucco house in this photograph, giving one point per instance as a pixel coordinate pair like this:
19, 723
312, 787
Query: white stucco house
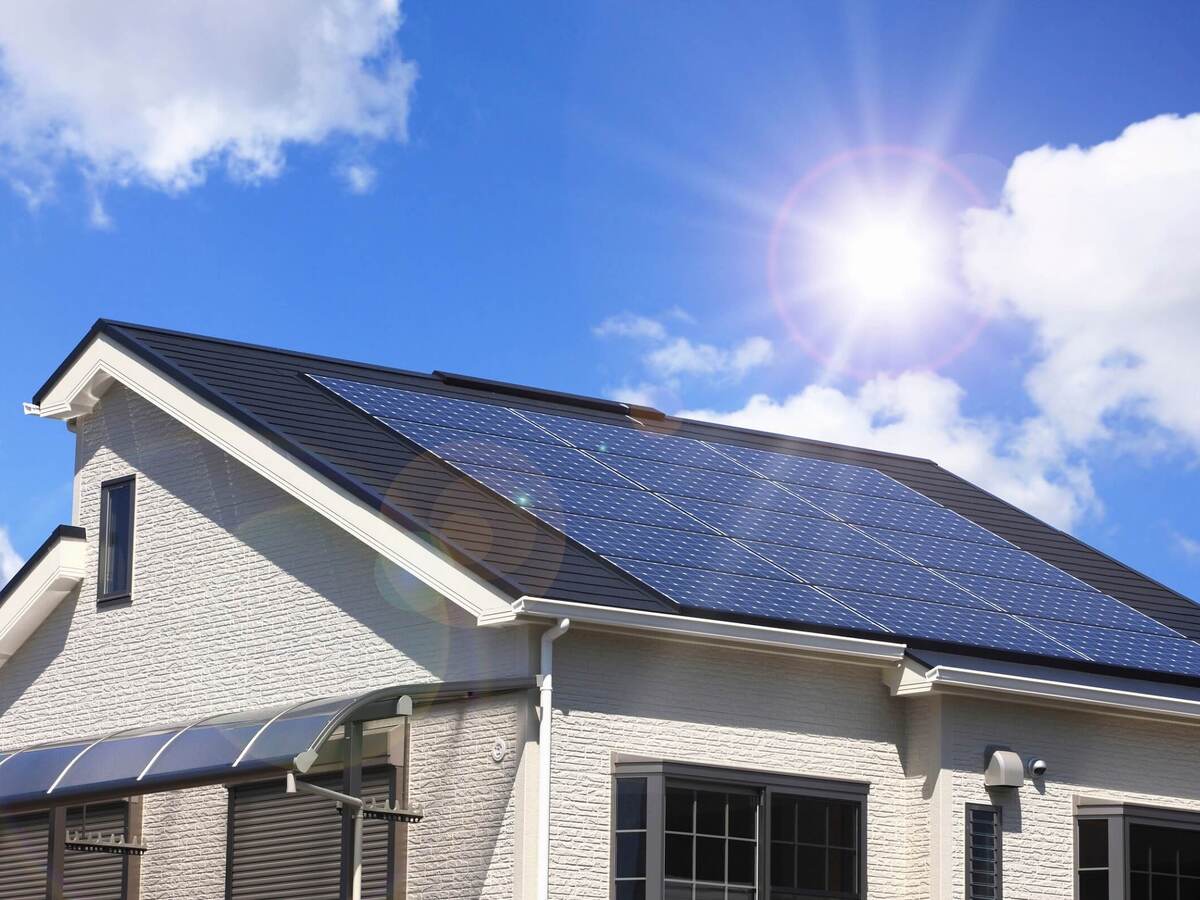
543, 645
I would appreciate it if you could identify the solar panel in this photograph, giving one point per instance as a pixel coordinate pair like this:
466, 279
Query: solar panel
432, 409
792, 469
583, 498
763, 598
898, 516
788, 530
684, 481
1130, 649
869, 575
976, 559
505, 453
627, 441
1086, 607
953, 624
662, 545
794, 533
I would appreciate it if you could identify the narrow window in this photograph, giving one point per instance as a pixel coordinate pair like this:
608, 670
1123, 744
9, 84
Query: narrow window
983, 852
630, 862
1092, 854
116, 539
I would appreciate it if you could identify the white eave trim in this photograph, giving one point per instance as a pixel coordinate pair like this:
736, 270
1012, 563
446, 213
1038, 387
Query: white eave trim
103, 362
53, 577
911, 678
825, 646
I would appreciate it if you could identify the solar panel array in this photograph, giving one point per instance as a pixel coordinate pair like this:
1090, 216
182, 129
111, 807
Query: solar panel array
735, 530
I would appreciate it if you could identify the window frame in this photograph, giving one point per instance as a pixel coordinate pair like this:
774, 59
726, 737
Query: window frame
967, 835
1120, 817
659, 774
103, 598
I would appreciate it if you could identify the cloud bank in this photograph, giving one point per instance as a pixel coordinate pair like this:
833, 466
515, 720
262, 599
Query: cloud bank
158, 94
10, 560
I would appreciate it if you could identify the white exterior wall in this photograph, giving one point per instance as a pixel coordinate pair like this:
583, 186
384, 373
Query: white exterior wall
691, 703
923, 757
242, 597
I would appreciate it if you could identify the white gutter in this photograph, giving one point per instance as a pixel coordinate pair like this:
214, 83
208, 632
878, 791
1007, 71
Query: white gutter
912, 679
51, 575
545, 737
861, 651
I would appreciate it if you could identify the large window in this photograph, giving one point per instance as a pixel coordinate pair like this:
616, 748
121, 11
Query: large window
115, 580
684, 832
1126, 852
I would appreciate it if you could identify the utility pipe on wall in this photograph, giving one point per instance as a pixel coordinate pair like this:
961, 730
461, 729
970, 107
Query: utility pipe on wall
545, 737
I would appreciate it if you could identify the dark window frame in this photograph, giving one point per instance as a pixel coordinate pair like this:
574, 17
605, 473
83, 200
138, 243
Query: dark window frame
102, 563
970, 833
659, 773
1121, 817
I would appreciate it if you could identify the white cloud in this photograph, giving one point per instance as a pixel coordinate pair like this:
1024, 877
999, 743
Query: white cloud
1188, 546
679, 356
141, 91
1097, 249
360, 178
920, 414
629, 325
10, 560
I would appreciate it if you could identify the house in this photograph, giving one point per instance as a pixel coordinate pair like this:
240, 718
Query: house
318, 628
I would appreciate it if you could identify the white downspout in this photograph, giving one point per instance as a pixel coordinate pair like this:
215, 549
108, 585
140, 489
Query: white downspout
545, 736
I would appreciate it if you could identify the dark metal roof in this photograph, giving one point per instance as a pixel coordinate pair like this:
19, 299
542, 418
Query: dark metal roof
267, 389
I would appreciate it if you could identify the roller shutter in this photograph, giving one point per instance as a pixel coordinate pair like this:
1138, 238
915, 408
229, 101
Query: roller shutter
95, 876
288, 846
24, 842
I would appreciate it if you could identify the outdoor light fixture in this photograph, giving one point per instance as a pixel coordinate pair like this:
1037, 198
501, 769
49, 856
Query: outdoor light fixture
95, 842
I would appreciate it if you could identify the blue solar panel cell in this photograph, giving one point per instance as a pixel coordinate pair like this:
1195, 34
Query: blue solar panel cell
583, 498
1085, 607
869, 575
504, 453
684, 481
432, 409
792, 469
791, 531
898, 516
976, 559
1129, 649
783, 601
662, 545
953, 624
640, 444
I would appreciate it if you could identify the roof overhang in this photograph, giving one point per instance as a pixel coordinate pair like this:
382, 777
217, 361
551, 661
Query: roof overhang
52, 573
952, 674
699, 630
100, 361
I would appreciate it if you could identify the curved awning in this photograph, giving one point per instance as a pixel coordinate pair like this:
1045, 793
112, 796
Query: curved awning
210, 750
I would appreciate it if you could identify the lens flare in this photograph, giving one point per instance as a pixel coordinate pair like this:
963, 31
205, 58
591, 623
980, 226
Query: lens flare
863, 262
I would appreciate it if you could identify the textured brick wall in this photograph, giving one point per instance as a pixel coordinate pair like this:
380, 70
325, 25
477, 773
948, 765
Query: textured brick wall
242, 597
1088, 755
684, 702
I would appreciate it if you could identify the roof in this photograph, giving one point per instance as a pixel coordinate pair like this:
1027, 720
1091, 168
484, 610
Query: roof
277, 393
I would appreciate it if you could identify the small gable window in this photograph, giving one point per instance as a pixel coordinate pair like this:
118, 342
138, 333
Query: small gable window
116, 539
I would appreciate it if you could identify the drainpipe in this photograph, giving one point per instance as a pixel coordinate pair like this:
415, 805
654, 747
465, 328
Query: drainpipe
545, 736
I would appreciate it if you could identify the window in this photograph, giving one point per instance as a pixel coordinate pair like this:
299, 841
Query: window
684, 832
115, 579
983, 852
1127, 852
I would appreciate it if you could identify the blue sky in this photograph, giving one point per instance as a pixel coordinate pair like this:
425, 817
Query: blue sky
592, 197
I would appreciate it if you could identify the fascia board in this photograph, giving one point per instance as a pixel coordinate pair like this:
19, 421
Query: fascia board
80, 386
679, 627
59, 572
954, 680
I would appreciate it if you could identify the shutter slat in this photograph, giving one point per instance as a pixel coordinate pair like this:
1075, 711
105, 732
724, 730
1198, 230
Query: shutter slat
23, 844
288, 846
